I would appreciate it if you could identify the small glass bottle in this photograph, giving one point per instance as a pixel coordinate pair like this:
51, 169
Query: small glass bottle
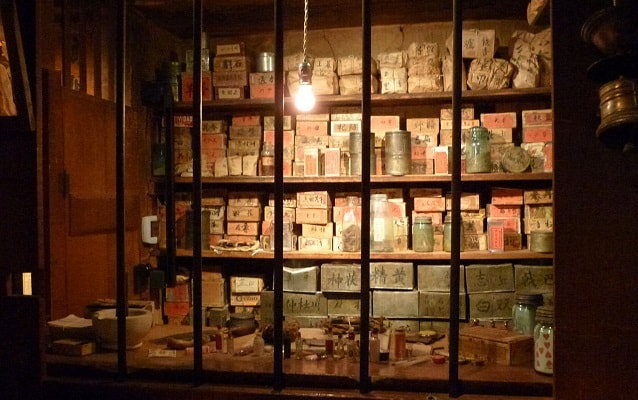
258, 343
299, 346
350, 344
351, 229
524, 312
267, 159
339, 350
422, 234
218, 339
225, 340
330, 343
544, 340
231, 344
447, 234
400, 351
375, 346
477, 152
381, 224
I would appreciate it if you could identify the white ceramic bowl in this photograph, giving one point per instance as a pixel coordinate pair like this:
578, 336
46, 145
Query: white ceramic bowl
138, 324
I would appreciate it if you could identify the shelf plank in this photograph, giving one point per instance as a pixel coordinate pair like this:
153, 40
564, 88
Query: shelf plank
268, 180
500, 95
396, 256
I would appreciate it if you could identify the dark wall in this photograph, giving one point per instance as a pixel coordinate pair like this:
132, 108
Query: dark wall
596, 194
18, 185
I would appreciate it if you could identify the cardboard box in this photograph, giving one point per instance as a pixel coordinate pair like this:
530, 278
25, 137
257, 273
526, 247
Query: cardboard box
392, 275
534, 278
486, 278
315, 199
344, 306
491, 305
188, 89
304, 280
397, 304
230, 93
213, 293
437, 305
72, 347
436, 278
340, 277
317, 216
245, 284
243, 213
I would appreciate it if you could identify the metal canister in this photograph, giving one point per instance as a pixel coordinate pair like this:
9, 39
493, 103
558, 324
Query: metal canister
355, 153
541, 241
398, 152
265, 61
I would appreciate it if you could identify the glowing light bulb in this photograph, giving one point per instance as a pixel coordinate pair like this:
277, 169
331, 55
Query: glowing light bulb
305, 98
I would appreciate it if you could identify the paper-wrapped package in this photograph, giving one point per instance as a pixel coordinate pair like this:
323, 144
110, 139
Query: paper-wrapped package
395, 59
476, 43
446, 69
489, 73
321, 84
353, 84
425, 83
423, 49
394, 80
353, 65
527, 73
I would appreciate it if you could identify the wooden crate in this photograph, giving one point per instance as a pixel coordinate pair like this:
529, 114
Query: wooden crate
496, 345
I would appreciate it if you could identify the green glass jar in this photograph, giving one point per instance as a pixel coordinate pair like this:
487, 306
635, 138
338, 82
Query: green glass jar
422, 234
478, 158
447, 234
524, 312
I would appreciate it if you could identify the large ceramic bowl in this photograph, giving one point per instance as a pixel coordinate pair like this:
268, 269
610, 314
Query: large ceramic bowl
138, 324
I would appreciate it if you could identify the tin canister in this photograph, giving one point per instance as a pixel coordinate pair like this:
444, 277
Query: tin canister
265, 61
355, 153
398, 152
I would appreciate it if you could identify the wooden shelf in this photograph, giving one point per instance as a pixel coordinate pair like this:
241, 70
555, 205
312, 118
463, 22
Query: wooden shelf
397, 256
268, 180
468, 96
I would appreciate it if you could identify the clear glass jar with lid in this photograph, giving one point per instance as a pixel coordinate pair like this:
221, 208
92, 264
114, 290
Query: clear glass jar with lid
524, 312
351, 228
477, 151
381, 224
544, 340
422, 234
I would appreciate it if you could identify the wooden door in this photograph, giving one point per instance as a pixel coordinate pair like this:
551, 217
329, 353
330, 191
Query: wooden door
81, 197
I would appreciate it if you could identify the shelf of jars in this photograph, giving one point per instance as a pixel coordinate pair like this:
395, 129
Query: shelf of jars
500, 95
395, 256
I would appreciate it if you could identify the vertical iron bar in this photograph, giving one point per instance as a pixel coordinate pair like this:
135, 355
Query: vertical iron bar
120, 152
196, 200
364, 367
278, 277
455, 260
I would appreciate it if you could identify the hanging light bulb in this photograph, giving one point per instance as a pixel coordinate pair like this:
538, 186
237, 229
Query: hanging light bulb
305, 98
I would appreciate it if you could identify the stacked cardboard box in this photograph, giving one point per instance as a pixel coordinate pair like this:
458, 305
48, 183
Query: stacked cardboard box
215, 205
311, 140
433, 284
314, 214
244, 145
230, 71
214, 145
289, 140
490, 289
267, 225
424, 134
504, 219
243, 217
538, 138
245, 292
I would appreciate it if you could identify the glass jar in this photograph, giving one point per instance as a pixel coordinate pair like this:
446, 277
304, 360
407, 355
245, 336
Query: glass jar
356, 157
381, 224
447, 234
268, 160
422, 234
524, 312
477, 152
544, 340
351, 228
400, 351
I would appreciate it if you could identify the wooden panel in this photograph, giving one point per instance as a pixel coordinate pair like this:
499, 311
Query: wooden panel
98, 214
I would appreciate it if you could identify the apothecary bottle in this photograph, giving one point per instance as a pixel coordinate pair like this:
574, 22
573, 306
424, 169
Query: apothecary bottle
351, 228
267, 160
477, 152
447, 234
544, 340
524, 312
422, 234
381, 224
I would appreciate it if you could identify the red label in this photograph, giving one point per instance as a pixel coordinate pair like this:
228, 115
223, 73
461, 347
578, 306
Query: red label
541, 133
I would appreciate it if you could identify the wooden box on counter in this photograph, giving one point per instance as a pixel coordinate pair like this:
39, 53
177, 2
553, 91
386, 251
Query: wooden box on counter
496, 345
